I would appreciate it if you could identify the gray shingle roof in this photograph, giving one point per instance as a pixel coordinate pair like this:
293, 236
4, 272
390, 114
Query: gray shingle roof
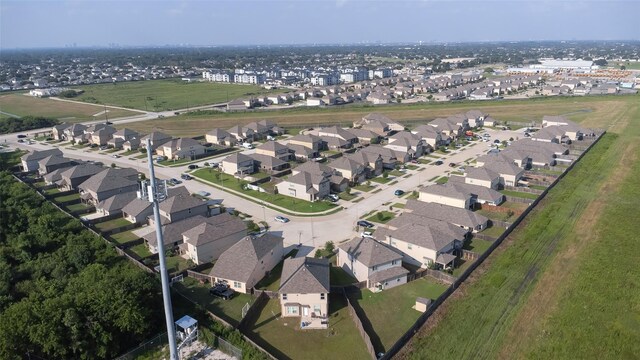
180, 202
38, 155
267, 160
214, 228
450, 214
81, 170
481, 173
240, 260
136, 206
116, 202
387, 274
237, 158
304, 275
109, 179
425, 232
370, 252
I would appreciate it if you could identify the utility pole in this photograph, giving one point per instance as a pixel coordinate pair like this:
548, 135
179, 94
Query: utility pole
155, 198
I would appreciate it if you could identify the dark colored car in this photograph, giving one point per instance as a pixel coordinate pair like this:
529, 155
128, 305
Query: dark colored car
439, 162
452, 165
222, 291
185, 177
496, 141
21, 136
398, 192
365, 223
193, 167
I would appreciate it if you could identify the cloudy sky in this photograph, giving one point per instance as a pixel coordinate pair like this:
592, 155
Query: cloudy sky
53, 23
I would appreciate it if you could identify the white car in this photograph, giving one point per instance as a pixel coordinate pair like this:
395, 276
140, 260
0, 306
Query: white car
366, 234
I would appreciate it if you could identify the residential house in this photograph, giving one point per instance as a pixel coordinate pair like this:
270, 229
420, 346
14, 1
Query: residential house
337, 182
304, 289
71, 177
30, 161
482, 176
309, 141
172, 233
58, 131
181, 148
107, 183
182, 206
220, 137
335, 132
372, 162
268, 163
131, 144
114, 204
306, 186
459, 194
103, 135
423, 241
246, 262
510, 174
475, 118
352, 170
54, 162
238, 104
138, 210
74, 132
448, 127
238, 164
431, 135
405, 141
373, 262
365, 136
466, 219
303, 153
208, 240
390, 157
122, 136
241, 133
157, 140
275, 149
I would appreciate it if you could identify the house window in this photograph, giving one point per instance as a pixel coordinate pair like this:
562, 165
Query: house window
374, 268
317, 309
409, 246
284, 296
236, 285
322, 296
394, 262
292, 310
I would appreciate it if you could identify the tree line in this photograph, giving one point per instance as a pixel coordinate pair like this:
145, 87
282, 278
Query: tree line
14, 124
64, 293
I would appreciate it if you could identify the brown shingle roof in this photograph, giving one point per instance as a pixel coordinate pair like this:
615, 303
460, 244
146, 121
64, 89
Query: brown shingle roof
241, 259
304, 275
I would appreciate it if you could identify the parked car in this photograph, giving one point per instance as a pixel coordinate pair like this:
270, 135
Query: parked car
115, 156
439, 162
282, 219
193, 167
333, 197
366, 234
414, 161
215, 164
176, 181
365, 223
222, 291
496, 141
398, 192
22, 136
452, 165
186, 177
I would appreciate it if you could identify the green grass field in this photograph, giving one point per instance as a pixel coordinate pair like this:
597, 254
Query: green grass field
161, 95
390, 311
548, 290
23, 105
283, 338
112, 224
382, 217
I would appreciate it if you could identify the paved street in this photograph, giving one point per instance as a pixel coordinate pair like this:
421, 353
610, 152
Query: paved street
308, 231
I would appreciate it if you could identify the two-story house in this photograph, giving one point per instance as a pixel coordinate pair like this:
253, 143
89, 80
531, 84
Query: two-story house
238, 164
306, 186
304, 291
374, 262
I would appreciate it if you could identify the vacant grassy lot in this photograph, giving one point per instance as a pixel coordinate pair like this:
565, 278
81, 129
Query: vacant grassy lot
547, 291
283, 338
161, 95
390, 311
590, 110
225, 181
23, 105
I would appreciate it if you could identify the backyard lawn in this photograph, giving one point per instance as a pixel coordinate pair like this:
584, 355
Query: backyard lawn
229, 310
519, 194
51, 191
225, 181
478, 246
390, 311
494, 231
124, 237
340, 277
69, 197
76, 207
141, 250
112, 224
283, 338
495, 215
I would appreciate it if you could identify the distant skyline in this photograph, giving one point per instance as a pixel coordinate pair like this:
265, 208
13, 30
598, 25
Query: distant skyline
87, 23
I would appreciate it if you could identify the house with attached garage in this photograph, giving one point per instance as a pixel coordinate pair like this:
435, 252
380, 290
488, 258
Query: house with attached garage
103, 135
114, 204
268, 163
121, 136
30, 160
482, 176
509, 172
337, 182
208, 240
430, 135
372, 162
54, 162
71, 177
180, 205
334, 132
157, 139
475, 118
220, 137
458, 194
364, 136
107, 183
74, 132
448, 127
181, 148
390, 157
305, 186
404, 141
246, 262
466, 219
373, 262
423, 241
352, 170
276, 150
304, 291
238, 164
378, 123
58, 131
309, 141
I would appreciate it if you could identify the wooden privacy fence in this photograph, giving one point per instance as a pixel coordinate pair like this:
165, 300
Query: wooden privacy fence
254, 311
203, 278
356, 320
425, 316
524, 189
270, 294
483, 237
469, 255
518, 199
